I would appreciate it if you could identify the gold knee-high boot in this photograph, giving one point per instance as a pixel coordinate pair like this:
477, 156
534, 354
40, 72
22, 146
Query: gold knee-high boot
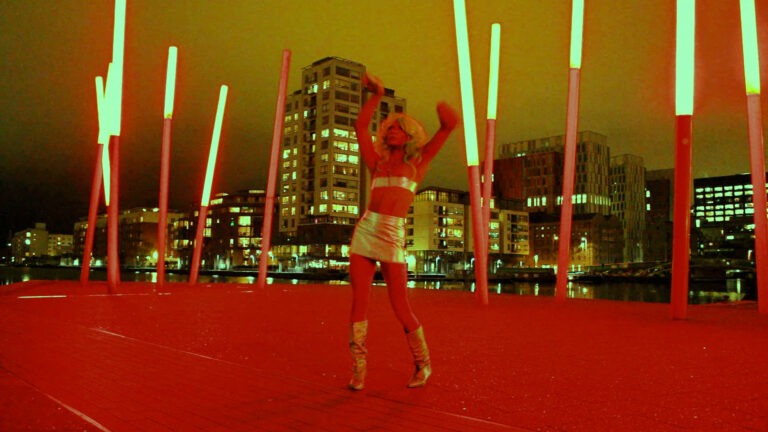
358, 349
420, 352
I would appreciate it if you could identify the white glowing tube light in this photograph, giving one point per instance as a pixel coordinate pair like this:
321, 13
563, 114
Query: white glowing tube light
577, 31
685, 56
170, 81
214, 147
465, 78
749, 45
493, 73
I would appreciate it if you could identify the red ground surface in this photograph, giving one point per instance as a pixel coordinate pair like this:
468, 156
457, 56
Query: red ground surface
233, 357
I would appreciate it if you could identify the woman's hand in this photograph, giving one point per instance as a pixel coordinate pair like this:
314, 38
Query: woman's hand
449, 118
373, 84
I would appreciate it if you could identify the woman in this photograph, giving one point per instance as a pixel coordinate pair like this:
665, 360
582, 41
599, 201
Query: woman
398, 160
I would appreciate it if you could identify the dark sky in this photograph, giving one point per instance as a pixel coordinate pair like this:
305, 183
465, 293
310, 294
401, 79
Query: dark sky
51, 50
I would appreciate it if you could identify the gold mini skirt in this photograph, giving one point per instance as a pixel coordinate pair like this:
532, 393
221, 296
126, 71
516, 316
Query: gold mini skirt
379, 237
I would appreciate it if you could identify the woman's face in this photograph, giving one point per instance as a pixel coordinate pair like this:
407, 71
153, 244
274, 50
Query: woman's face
396, 136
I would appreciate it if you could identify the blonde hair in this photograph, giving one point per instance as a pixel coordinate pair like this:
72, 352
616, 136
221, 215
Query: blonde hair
416, 133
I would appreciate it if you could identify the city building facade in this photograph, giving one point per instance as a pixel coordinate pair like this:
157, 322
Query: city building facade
596, 240
537, 175
232, 236
137, 238
723, 213
658, 215
439, 237
627, 180
29, 245
322, 182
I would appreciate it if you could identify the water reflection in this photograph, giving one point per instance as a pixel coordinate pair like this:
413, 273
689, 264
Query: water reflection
731, 290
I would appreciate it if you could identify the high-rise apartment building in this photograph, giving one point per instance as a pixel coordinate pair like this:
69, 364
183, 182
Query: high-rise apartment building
322, 182
538, 178
627, 179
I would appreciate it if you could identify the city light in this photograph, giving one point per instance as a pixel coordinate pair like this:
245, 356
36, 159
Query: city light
577, 30
493, 72
214, 146
685, 56
170, 81
118, 49
103, 136
749, 46
465, 78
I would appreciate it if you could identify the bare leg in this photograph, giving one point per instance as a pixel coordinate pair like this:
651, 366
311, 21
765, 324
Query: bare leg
396, 276
361, 271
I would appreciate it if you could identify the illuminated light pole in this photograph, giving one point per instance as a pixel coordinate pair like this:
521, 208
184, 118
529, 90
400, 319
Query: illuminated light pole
277, 138
684, 85
470, 142
93, 208
165, 163
490, 125
206, 197
114, 99
571, 133
756, 148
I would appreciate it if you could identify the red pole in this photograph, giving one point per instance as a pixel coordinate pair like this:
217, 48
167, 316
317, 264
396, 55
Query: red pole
480, 243
93, 210
490, 146
757, 167
569, 177
681, 216
113, 213
277, 136
195, 266
162, 217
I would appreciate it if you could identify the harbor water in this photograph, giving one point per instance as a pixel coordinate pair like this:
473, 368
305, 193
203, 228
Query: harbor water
729, 290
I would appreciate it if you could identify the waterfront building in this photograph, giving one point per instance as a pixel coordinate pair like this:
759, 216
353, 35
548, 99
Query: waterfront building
30, 244
322, 184
232, 234
436, 229
658, 215
535, 173
439, 232
137, 238
60, 244
595, 240
723, 213
627, 180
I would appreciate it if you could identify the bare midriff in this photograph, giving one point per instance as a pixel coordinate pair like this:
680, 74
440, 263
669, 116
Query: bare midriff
393, 201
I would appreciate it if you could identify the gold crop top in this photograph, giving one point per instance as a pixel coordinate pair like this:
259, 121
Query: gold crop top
401, 182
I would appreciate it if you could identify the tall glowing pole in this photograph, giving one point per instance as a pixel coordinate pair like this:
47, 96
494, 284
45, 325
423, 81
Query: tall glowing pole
571, 133
684, 85
490, 124
756, 149
93, 208
115, 101
277, 138
206, 197
165, 163
470, 142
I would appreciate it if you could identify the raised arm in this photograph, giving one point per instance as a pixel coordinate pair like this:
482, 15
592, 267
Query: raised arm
448, 121
363, 122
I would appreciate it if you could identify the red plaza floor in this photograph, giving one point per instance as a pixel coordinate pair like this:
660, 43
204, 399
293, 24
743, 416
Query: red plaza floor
227, 357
